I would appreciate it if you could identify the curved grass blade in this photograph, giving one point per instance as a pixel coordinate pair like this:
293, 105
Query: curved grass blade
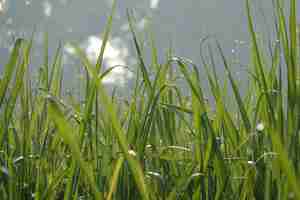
259, 61
120, 135
9, 69
19, 80
236, 92
105, 37
145, 73
85, 61
67, 133
114, 178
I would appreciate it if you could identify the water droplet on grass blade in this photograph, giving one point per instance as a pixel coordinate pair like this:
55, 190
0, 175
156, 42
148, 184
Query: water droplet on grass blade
132, 153
27, 3
251, 162
260, 127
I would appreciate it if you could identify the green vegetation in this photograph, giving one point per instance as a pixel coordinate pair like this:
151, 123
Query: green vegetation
162, 143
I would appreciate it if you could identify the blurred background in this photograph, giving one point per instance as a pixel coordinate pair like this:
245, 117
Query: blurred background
175, 23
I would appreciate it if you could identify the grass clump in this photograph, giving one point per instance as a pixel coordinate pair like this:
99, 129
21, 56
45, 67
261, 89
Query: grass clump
163, 143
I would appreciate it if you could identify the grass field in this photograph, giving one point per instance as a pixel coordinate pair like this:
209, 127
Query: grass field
162, 143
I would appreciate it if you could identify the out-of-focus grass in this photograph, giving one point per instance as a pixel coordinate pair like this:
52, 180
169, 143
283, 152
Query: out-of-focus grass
162, 143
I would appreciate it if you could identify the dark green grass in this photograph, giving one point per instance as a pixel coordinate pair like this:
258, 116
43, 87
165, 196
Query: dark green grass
164, 142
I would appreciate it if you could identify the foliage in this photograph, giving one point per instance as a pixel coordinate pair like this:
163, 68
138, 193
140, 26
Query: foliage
162, 143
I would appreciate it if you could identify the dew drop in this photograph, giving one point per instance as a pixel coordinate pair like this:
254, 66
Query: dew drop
27, 3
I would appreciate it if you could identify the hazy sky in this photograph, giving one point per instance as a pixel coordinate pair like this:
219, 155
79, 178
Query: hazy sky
176, 22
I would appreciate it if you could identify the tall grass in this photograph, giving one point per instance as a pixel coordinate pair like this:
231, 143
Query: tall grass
164, 142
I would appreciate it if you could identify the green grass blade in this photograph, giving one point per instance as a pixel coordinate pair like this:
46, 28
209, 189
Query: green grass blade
114, 178
105, 37
258, 59
120, 135
236, 92
69, 136
9, 69
142, 65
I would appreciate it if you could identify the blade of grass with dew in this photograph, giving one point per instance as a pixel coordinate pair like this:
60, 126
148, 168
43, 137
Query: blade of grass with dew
142, 65
106, 35
236, 92
134, 165
99, 62
284, 40
215, 88
193, 86
257, 56
114, 178
149, 119
119, 133
284, 161
55, 74
20, 73
293, 45
84, 60
46, 60
12, 101
66, 132
150, 109
9, 69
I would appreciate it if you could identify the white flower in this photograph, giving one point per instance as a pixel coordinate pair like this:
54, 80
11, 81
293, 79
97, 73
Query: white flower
47, 6
132, 153
154, 4
3, 6
260, 127
251, 162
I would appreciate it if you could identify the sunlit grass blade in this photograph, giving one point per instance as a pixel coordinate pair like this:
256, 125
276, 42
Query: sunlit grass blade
69, 136
142, 65
84, 60
119, 134
9, 69
236, 92
191, 81
46, 60
105, 38
258, 62
114, 178
20, 73
178, 133
55, 78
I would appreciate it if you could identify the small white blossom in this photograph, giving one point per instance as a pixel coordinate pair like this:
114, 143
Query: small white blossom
132, 153
154, 4
2, 6
251, 162
260, 127
47, 6
154, 174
